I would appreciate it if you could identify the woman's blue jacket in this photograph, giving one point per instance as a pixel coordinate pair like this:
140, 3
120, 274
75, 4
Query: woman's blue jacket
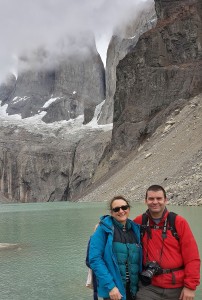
102, 259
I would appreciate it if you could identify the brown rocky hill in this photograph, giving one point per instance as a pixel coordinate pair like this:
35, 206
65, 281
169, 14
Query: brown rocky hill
171, 157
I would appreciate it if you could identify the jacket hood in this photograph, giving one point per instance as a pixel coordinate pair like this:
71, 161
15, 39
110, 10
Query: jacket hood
106, 223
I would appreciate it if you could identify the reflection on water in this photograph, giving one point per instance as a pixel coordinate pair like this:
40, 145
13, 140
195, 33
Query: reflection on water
49, 262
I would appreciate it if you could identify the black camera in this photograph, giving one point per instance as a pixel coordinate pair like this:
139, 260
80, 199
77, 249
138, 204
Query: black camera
151, 268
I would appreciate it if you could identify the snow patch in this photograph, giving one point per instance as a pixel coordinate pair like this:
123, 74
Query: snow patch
4, 114
94, 122
51, 100
70, 127
19, 99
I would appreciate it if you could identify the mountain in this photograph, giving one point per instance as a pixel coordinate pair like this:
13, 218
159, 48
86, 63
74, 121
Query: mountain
43, 137
48, 162
171, 157
159, 74
62, 90
50, 147
124, 39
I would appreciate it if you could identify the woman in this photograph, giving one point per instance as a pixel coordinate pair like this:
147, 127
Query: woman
115, 253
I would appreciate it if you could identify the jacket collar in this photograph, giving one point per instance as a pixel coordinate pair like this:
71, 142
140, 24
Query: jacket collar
120, 225
163, 217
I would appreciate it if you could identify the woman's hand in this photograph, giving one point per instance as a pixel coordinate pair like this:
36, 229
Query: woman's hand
114, 294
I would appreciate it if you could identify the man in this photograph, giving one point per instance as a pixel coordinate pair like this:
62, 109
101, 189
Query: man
179, 261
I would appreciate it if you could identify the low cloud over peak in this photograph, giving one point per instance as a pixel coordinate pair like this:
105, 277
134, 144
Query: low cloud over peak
26, 25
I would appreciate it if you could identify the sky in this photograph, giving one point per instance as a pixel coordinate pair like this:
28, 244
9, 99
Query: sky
26, 25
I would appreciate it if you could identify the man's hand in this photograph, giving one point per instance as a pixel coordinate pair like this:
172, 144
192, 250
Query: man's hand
114, 294
187, 294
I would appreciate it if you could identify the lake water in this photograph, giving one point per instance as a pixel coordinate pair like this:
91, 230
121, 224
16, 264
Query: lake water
49, 263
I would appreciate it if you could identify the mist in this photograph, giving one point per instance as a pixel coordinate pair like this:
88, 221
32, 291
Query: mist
26, 25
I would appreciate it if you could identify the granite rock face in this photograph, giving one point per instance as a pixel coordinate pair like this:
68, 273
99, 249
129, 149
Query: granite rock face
46, 161
41, 165
163, 68
32, 90
79, 87
122, 42
64, 90
6, 88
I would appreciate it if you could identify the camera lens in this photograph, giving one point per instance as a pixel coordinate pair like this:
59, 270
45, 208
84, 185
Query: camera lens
152, 268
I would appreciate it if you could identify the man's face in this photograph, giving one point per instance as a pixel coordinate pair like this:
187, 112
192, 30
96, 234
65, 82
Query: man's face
156, 203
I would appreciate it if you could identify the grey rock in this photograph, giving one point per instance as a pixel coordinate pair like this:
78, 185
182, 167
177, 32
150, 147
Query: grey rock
7, 88
42, 167
122, 42
33, 89
171, 169
162, 69
79, 87
5, 246
76, 82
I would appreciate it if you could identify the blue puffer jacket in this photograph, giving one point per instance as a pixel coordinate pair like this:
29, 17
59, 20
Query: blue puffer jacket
103, 260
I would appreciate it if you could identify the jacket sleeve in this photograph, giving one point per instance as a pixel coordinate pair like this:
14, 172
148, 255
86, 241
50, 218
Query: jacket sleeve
96, 252
190, 253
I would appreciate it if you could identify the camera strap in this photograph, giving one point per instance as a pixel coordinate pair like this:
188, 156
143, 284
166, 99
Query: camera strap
164, 229
164, 235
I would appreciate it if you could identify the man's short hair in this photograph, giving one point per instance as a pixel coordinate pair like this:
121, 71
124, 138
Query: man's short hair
156, 188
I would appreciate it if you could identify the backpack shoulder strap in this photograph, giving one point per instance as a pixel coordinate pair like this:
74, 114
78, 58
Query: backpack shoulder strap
171, 219
143, 226
87, 254
144, 219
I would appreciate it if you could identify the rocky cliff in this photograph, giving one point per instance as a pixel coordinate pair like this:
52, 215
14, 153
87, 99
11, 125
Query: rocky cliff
156, 79
43, 157
63, 90
159, 74
124, 39
40, 163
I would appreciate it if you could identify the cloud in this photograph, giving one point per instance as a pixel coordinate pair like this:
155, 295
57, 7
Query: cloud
28, 24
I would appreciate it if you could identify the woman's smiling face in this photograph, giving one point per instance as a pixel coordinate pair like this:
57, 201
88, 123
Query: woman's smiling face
122, 210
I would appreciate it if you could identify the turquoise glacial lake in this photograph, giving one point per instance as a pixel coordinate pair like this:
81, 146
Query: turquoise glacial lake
51, 238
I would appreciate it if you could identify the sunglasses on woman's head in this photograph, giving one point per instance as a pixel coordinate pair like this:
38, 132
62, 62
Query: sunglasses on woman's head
123, 207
